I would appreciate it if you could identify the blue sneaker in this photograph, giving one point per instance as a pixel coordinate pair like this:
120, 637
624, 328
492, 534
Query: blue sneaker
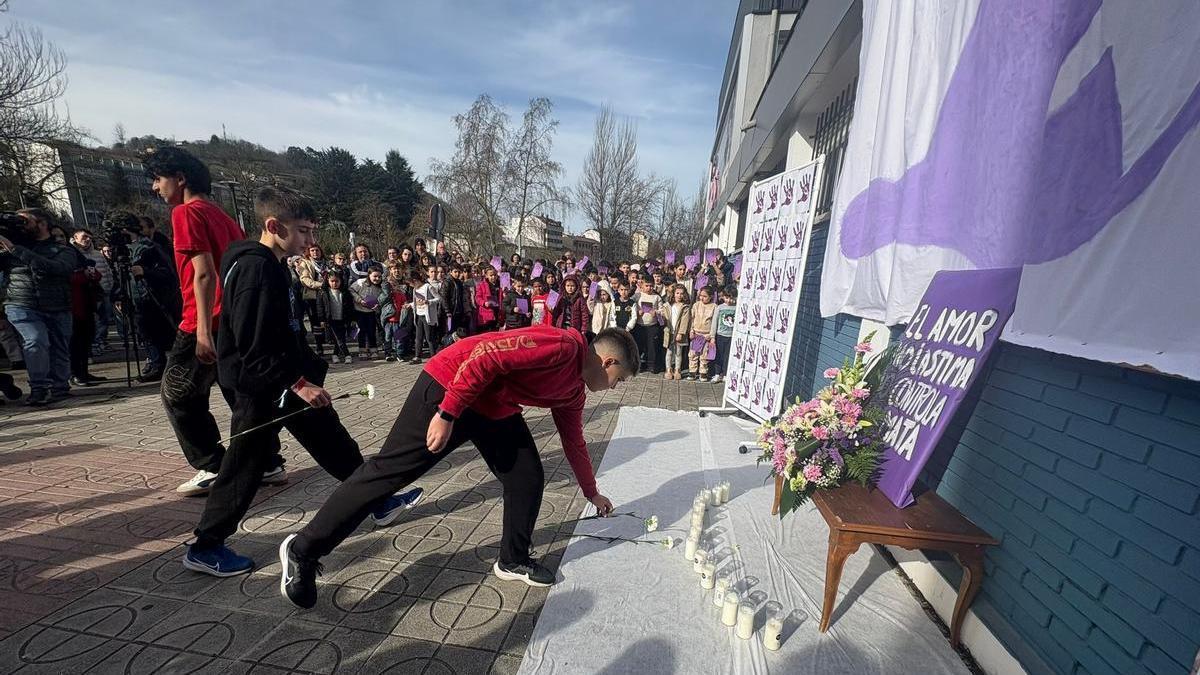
218, 562
387, 512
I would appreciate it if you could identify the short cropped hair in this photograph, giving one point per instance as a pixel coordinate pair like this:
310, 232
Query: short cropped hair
283, 204
169, 161
620, 340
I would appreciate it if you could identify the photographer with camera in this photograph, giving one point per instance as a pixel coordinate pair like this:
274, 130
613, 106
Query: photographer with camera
147, 284
85, 243
39, 299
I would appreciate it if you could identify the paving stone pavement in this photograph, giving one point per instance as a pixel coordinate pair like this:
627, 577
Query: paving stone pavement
91, 532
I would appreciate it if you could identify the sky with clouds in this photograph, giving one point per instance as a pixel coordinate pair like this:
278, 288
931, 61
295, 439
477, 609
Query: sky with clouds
370, 76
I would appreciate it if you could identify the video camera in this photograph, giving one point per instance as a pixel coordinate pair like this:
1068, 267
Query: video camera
12, 227
116, 225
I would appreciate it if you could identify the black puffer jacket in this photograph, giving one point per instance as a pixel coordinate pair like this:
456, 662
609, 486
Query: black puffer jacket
39, 275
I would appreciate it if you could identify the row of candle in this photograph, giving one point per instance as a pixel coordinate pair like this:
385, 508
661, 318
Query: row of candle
734, 613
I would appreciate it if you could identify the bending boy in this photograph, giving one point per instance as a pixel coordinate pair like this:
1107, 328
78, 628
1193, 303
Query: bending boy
473, 391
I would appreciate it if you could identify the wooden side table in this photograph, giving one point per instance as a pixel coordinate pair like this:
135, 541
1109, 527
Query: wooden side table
858, 515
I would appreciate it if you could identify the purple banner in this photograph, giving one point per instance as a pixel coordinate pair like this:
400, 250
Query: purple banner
505, 280
943, 349
537, 271
670, 257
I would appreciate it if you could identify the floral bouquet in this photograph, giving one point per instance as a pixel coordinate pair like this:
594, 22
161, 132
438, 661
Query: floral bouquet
834, 437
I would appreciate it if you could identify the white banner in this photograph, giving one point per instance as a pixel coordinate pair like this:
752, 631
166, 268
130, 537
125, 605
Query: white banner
1059, 135
778, 230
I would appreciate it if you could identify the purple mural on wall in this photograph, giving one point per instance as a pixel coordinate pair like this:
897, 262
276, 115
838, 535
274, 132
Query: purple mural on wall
987, 188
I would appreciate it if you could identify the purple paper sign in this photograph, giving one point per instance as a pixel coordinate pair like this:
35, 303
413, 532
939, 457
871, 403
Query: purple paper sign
710, 354
537, 271
710, 255
579, 266
670, 257
698, 343
957, 323
505, 280
552, 300
690, 261
522, 306
595, 288
646, 307
603, 270
701, 281
737, 268
496, 262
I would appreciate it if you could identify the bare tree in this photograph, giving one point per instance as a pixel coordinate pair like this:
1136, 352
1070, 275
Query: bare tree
532, 174
32, 79
474, 181
612, 192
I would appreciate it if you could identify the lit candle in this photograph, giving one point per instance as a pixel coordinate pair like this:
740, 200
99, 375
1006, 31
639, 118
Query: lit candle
729, 609
722, 585
699, 560
772, 633
707, 572
745, 621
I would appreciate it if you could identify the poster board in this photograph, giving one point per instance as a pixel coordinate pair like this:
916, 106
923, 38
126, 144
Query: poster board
774, 253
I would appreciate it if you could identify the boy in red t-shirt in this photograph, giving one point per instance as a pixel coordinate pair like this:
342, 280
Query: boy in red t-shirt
540, 311
201, 231
472, 391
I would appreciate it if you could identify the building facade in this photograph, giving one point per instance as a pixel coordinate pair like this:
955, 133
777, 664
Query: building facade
1087, 472
539, 232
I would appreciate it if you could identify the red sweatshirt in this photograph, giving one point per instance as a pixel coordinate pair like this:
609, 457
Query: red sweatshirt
495, 374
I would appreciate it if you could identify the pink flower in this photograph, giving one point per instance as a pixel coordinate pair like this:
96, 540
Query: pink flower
831, 372
847, 408
859, 393
820, 433
812, 472
862, 347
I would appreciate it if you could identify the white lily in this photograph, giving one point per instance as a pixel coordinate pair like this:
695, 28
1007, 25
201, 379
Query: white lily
651, 523
668, 543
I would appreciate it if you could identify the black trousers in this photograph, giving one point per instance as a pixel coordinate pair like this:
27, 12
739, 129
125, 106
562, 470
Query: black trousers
428, 335
186, 384
650, 342
310, 310
320, 432
82, 331
337, 337
720, 366
506, 446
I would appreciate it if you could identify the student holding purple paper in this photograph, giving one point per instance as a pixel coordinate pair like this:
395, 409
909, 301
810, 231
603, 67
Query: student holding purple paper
516, 305
649, 330
677, 328
703, 335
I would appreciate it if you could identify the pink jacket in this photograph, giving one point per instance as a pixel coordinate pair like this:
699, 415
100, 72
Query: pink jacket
487, 302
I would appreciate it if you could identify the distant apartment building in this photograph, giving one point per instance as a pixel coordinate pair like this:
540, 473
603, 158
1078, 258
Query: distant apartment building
587, 244
540, 232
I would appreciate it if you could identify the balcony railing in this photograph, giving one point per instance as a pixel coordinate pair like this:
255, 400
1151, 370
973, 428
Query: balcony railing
833, 131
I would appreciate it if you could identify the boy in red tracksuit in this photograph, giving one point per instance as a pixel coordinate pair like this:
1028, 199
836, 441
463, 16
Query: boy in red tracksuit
473, 391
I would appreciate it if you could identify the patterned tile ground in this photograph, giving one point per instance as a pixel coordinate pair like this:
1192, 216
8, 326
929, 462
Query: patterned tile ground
91, 532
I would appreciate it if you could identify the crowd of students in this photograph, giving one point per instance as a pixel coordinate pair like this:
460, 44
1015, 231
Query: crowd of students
416, 301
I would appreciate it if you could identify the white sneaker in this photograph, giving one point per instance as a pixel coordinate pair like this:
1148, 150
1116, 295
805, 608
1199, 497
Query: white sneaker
348, 359
715, 378
199, 484
276, 476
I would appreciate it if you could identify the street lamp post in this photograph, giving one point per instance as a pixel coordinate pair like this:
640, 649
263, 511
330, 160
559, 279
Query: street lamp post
237, 209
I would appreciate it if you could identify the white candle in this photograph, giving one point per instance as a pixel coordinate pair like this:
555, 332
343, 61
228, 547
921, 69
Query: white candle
697, 530
729, 609
745, 621
722, 585
699, 560
697, 520
706, 496
725, 492
689, 549
772, 633
707, 572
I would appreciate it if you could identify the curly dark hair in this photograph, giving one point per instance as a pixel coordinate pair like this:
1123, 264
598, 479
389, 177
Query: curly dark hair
170, 161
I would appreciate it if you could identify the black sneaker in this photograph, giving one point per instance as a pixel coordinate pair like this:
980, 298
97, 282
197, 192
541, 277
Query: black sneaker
38, 398
81, 382
389, 358
297, 576
530, 571
151, 375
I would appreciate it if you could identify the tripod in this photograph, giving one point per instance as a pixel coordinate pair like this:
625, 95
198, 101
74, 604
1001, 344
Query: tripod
125, 279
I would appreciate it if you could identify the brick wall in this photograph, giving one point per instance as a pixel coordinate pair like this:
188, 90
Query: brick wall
818, 343
1089, 474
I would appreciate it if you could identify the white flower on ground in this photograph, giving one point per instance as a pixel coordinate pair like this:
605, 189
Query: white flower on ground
668, 543
368, 391
651, 523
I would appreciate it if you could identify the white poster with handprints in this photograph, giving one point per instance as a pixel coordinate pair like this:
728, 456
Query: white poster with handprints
776, 246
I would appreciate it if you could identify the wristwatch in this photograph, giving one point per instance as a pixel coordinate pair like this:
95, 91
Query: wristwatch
445, 415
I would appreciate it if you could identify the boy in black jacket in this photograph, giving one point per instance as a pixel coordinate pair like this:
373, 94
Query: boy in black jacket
514, 317
264, 360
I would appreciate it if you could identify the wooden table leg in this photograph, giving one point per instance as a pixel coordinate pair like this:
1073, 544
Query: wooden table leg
841, 545
778, 495
972, 564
